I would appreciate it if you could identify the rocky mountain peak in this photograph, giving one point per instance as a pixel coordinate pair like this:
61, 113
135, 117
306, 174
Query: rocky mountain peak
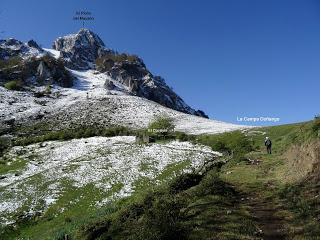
80, 50
85, 50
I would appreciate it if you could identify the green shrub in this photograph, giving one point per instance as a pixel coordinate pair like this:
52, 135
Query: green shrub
157, 215
106, 62
48, 89
9, 63
231, 143
93, 230
184, 137
163, 220
184, 182
316, 124
211, 184
161, 126
13, 85
39, 94
4, 143
67, 134
296, 200
60, 235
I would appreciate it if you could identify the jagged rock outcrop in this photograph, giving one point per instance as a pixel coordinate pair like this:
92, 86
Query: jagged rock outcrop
48, 70
29, 64
14, 48
80, 50
131, 72
43, 70
34, 44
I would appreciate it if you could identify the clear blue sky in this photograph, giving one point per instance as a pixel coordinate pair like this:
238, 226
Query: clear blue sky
230, 58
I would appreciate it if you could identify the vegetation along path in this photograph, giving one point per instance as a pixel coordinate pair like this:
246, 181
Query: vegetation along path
252, 196
280, 190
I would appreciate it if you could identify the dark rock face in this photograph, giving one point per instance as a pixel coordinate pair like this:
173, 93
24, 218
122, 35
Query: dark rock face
36, 71
139, 81
49, 70
15, 48
29, 64
33, 44
80, 50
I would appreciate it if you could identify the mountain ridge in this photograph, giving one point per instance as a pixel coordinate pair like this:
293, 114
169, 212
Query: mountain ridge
83, 51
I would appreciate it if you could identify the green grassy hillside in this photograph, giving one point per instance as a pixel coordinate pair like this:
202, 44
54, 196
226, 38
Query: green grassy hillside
252, 196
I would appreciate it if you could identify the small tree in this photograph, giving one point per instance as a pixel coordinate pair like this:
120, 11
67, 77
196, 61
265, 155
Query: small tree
161, 126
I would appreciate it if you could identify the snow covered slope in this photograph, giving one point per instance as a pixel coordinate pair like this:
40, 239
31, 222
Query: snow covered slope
44, 175
85, 50
89, 103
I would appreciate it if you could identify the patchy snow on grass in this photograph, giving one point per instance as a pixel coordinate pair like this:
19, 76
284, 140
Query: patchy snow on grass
55, 167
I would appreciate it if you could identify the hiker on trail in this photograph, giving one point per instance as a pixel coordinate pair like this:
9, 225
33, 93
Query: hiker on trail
268, 144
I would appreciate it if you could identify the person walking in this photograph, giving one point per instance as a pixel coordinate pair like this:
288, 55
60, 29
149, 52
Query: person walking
268, 144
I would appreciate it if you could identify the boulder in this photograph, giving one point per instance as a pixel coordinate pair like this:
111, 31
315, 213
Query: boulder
109, 85
43, 72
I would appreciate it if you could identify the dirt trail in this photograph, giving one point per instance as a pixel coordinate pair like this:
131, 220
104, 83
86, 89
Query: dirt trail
271, 226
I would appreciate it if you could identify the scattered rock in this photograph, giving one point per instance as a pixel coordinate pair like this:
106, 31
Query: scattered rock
43, 144
259, 232
253, 161
9, 121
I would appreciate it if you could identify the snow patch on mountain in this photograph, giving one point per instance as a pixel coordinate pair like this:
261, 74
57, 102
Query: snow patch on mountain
52, 52
88, 101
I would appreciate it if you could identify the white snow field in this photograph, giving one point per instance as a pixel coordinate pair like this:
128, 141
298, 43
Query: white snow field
88, 101
111, 167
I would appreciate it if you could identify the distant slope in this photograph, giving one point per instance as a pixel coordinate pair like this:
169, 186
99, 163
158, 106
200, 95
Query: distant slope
88, 103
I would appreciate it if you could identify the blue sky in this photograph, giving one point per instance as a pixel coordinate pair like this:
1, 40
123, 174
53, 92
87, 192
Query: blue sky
230, 58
